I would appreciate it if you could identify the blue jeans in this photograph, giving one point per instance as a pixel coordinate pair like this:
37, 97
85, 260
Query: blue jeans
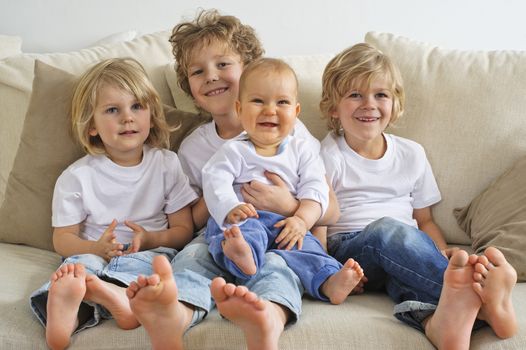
400, 258
311, 264
120, 270
194, 268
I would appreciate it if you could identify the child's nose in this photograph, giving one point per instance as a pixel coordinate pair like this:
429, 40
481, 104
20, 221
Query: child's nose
211, 76
368, 102
127, 116
269, 109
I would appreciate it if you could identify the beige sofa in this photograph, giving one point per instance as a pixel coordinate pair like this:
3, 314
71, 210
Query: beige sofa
466, 108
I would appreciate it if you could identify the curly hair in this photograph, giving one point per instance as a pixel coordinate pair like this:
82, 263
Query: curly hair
356, 66
210, 26
126, 74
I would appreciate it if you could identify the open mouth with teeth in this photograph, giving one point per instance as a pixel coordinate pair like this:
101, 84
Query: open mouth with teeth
367, 119
216, 92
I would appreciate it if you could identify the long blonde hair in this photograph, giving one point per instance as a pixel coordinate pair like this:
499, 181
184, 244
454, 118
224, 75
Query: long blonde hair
126, 74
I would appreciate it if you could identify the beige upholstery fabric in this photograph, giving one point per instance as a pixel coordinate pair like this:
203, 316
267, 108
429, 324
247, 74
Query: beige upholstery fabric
362, 322
497, 217
10, 45
467, 108
308, 69
46, 149
16, 78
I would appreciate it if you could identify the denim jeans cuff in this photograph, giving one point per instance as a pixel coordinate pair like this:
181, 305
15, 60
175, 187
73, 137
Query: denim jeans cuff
414, 313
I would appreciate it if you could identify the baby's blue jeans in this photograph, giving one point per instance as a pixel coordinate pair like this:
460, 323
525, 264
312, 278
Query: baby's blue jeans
194, 268
311, 264
121, 270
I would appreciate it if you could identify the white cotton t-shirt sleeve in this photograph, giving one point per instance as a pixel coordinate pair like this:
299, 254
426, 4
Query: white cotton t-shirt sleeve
218, 179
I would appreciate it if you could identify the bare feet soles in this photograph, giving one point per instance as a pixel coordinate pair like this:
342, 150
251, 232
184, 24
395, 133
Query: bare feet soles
494, 281
154, 302
262, 322
459, 299
66, 292
237, 249
113, 298
338, 287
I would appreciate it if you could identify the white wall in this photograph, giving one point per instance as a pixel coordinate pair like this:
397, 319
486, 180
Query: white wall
284, 26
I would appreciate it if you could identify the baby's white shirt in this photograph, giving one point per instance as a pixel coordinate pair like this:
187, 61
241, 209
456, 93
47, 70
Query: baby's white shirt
237, 163
367, 190
197, 148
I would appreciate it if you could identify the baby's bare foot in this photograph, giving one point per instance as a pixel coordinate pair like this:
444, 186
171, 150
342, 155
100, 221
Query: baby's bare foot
494, 280
341, 284
113, 298
154, 302
451, 324
237, 249
68, 285
262, 322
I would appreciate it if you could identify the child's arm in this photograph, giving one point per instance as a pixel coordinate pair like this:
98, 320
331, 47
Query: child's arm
67, 242
200, 213
296, 226
332, 214
177, 235
425, 222
320, 232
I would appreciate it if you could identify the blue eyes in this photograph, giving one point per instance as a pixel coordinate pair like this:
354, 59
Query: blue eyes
114, 110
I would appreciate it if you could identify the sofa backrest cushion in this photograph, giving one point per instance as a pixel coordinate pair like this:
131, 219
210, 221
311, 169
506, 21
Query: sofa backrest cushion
468, 110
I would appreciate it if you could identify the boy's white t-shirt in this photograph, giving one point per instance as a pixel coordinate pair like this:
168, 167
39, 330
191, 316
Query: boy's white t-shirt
94, 190
203, 142
237, 163
367, 190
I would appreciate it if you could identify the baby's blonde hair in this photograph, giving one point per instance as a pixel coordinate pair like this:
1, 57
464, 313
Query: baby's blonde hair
266, 64
210, 26
128, 75
358, 66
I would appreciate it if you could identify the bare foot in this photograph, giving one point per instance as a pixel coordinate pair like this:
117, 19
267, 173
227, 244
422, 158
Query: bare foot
237, 249
154, 302
451, 324
262, 322
338, 287
113, 298
67, 289
494, 281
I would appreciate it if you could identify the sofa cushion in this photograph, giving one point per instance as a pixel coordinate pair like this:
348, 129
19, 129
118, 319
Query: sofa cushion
308, 68
497, 217
10, 45
16, 78
467, 109
46, 149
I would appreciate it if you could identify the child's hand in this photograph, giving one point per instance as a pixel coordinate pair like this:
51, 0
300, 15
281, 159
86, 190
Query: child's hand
240, 213
139, 237
106, 247
276, 197
293, 232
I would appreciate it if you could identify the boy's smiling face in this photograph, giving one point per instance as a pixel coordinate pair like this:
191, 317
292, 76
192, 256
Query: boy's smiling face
365, 112
213, 75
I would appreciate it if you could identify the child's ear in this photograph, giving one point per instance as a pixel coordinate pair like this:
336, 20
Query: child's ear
92, 131
298, 109
333, 114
